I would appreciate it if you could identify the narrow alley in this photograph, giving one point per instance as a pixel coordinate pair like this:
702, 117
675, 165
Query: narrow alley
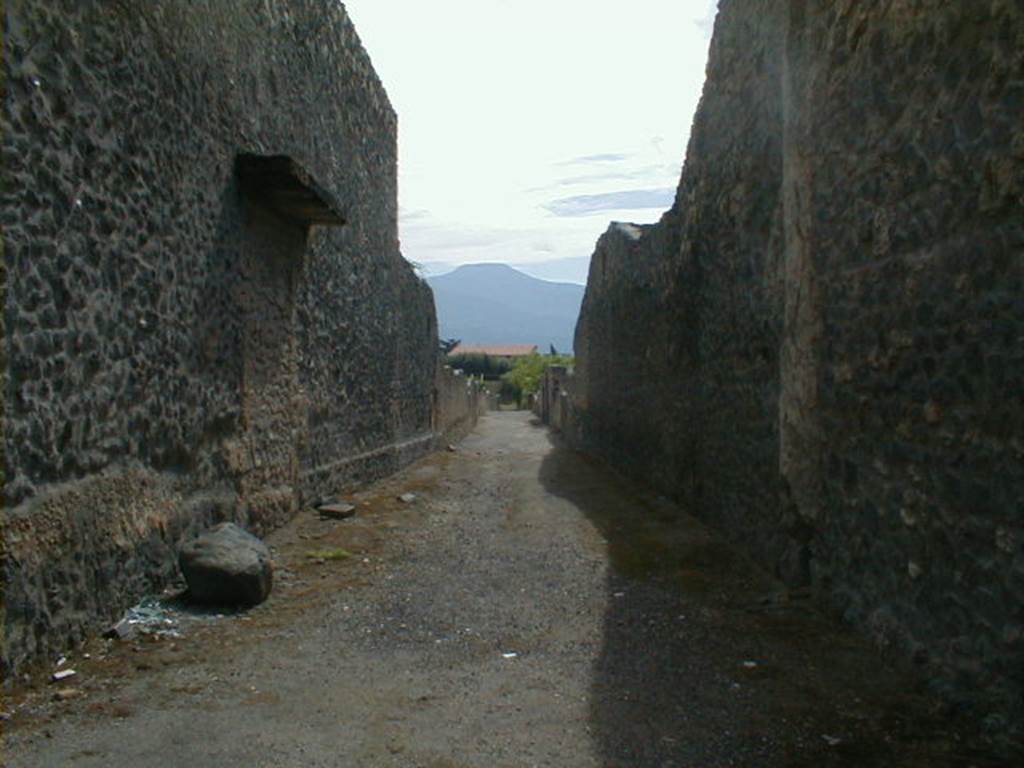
527, 608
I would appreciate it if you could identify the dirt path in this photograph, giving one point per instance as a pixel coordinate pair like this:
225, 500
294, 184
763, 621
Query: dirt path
528, 609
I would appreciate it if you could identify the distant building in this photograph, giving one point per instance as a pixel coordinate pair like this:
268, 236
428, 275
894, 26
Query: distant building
509, 352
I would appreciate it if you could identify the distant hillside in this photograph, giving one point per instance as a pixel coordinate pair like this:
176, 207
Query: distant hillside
495, 304
570, 269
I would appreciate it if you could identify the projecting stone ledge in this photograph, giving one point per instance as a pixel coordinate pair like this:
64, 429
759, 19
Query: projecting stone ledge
285, 186
632, 231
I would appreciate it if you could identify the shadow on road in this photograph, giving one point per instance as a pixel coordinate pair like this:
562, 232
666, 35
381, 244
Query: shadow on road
706, 661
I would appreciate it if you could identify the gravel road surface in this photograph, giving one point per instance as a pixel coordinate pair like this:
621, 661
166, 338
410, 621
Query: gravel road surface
527, 608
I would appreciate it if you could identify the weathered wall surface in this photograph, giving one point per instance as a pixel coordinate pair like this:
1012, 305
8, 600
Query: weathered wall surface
458, 404
685, 394
819, 347
554, 403
179, 352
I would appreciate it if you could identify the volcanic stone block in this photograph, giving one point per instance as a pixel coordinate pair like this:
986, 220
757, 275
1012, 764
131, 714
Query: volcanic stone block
227, 566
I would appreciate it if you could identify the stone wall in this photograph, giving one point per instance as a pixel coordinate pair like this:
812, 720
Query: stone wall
185, 346
458, 404
818, 348
553, 404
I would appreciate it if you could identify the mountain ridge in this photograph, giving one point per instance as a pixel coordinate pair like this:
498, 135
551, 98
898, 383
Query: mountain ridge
498, 304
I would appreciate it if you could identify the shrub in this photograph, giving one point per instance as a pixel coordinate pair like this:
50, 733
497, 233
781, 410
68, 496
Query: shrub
480, 365
527, 373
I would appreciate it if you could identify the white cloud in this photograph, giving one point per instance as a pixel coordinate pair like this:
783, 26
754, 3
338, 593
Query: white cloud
629, 199
500, 103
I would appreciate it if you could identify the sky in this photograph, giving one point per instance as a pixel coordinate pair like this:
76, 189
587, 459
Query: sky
526, 126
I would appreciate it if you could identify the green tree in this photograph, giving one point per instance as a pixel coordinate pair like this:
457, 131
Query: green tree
480, 365
527, 373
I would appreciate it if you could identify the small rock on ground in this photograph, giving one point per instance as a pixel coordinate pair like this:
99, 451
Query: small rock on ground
122, 630
338, 510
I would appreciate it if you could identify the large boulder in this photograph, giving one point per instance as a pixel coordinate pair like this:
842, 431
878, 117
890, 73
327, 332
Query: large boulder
226, 566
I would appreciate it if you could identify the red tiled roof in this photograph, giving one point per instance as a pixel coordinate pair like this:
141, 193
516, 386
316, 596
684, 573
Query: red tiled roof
504, 350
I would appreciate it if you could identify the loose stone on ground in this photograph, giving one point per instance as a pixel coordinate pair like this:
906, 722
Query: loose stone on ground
227, 566
337, 510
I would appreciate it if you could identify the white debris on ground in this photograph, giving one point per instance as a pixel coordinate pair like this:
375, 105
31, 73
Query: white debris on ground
152, 616
162, 616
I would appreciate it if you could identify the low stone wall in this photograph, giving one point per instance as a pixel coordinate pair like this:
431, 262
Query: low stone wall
458, 404
554, 402
817, 349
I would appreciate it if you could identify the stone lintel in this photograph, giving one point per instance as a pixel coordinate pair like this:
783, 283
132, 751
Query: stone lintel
281, 183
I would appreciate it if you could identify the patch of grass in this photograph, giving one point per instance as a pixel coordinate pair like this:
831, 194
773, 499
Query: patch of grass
329, 554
